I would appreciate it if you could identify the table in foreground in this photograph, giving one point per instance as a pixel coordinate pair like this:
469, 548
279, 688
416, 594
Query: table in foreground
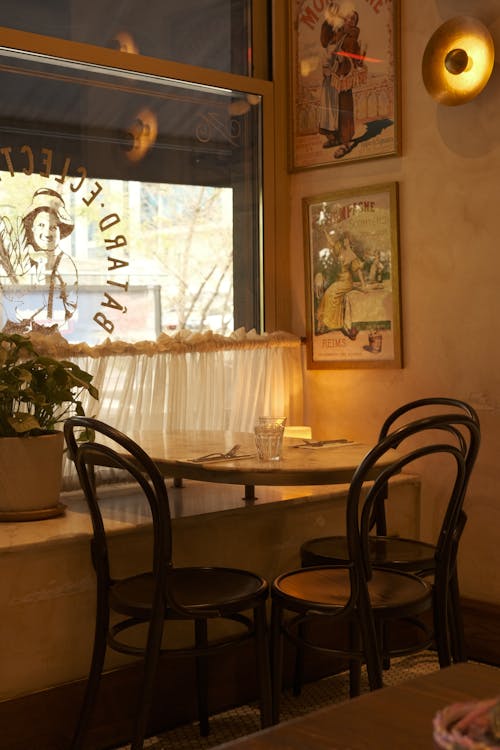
394, 718
334, 464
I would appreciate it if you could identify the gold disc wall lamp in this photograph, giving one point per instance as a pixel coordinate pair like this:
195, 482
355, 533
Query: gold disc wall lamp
458, 60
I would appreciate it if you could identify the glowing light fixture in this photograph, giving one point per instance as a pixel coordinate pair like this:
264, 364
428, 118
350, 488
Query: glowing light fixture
125, 43
458, 60
142, 132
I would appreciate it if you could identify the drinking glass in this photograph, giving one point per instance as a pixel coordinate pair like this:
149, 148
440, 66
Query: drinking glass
269, 437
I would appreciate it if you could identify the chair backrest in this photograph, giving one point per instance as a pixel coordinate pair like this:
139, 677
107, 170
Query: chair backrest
428, 404
120, 452
415, 410
455, 438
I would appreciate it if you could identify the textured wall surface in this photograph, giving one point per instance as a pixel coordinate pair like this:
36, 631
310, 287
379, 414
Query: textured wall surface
448, 175
48, 586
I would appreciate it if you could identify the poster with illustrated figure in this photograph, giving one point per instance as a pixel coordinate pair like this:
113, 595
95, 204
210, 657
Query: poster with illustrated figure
344, 84
352, 278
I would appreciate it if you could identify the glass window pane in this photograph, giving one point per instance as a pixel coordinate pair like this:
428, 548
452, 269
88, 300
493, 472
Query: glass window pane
210, 34
129, 203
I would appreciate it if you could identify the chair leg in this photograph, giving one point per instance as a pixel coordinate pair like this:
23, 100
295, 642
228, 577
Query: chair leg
96, 666
455, 620
298, 672
384, 641
371, 646
354, 664
152, 657
441, 627
276, 659
263, 666
201, 639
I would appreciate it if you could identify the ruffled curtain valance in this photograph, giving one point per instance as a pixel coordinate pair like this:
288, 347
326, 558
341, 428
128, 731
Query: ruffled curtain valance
182, 342
189, 381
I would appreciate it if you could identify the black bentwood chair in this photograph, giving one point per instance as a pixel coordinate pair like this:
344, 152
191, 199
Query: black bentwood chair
164, 593
358, 592
401, 553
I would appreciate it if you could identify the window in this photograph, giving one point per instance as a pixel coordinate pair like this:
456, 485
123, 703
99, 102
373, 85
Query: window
209, 34
131, 188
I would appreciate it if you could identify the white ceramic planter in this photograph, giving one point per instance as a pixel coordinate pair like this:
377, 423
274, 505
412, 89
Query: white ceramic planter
30, 477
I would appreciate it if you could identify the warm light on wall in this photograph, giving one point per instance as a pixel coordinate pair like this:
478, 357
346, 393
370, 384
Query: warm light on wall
458, 60
298, 431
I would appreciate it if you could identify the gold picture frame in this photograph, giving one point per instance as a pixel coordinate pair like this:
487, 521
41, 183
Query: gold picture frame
353, 301
344, 89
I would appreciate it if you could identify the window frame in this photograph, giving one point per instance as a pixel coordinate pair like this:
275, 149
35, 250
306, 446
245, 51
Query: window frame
64, 50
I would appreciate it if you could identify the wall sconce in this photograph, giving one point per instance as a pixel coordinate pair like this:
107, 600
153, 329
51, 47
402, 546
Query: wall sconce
458, 60
142, 133
124, 42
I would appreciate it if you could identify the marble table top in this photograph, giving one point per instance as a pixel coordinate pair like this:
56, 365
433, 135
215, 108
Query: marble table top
175, 452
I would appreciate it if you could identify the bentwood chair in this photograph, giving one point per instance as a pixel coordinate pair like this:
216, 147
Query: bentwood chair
163, 593
402, 553
357, 594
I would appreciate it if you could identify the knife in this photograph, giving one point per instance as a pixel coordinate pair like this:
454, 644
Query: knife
321, 443
215, 459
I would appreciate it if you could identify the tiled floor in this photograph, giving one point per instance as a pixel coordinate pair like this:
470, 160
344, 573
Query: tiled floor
245, 719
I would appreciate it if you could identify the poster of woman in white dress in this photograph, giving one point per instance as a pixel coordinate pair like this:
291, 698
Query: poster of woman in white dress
352, 269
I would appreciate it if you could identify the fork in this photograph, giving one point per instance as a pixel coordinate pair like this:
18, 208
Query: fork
230, 454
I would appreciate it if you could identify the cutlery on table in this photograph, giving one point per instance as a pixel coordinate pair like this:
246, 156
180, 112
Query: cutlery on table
231, 455
320, 443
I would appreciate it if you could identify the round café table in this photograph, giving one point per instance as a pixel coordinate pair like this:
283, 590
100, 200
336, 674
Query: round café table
177, 455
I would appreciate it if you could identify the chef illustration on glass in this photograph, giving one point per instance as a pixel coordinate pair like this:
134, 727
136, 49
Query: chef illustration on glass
30, 254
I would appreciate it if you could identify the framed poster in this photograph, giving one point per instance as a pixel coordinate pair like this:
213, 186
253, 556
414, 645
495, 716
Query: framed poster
352, 278
344, 81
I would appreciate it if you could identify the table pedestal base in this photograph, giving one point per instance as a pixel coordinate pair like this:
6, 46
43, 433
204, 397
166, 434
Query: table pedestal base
250, 492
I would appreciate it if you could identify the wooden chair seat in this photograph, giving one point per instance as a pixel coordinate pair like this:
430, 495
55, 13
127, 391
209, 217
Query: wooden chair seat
215, 592
390, 552
328, 589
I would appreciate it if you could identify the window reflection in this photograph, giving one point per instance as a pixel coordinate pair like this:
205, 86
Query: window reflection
210, 34
162, 181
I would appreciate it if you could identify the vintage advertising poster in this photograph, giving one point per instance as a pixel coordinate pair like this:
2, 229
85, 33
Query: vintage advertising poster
344, 93
352, 278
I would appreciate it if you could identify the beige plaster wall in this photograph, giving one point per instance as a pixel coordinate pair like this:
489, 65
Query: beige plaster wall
448, 175
47, 587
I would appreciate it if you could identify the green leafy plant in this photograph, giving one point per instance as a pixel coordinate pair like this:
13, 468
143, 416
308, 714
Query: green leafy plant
37, 392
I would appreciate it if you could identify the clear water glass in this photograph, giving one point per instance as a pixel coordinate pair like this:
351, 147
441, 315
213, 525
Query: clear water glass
269, 437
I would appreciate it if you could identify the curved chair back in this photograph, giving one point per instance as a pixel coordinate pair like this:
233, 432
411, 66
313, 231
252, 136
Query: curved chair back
410, 412
354, 586
421, 403
132, 459
461, 447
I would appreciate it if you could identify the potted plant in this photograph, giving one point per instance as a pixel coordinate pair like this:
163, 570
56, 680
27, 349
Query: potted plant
37, 393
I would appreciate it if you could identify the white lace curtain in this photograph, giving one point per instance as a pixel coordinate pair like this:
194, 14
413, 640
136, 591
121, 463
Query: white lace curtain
207, 383
190, 381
